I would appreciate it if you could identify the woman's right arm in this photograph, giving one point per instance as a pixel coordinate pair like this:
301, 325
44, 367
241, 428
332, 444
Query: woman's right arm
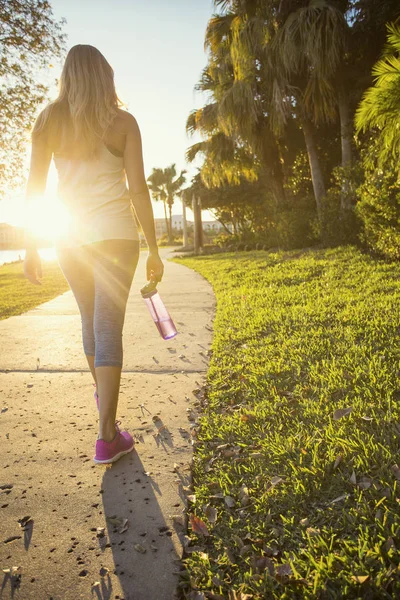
139, 193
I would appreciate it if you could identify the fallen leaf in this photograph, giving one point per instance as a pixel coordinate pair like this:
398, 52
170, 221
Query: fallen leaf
276, 480
198, 526
338, 460
12, 570
12, 539
100, 532
360, 578
341, 412
304, 522
364, 483
124, 526
365, 418
229, 501
339, 498
282, 571
24, 521
353, 478
196, 595
191, 498
312, 532
115, 521
211, 513
178, 520
139, 548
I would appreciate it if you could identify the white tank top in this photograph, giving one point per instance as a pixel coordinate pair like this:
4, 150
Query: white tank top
96, 199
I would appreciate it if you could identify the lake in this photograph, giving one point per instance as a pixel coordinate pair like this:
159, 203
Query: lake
7, 256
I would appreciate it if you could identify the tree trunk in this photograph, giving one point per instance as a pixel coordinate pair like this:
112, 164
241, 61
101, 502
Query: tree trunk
170, 240
315, 166
166, 218
185, 235
273, 167
198, 229
346, 132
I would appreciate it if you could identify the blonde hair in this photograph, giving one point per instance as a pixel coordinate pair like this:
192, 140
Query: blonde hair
87, 104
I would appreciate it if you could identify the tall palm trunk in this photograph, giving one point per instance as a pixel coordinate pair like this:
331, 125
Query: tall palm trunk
166, 219
273, 167
170, 240
315, 165
346, 131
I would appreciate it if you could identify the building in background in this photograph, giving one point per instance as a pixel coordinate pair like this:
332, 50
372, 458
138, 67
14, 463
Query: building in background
177, 225
11, 237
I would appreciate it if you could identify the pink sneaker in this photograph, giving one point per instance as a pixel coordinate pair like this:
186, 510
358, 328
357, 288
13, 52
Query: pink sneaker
108, 452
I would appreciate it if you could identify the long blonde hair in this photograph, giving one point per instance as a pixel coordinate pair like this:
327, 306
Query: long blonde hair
87, 104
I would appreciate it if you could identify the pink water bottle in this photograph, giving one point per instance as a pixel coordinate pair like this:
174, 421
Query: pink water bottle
159, 313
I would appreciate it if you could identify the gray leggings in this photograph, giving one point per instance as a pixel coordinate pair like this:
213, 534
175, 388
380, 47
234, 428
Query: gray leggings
100, 276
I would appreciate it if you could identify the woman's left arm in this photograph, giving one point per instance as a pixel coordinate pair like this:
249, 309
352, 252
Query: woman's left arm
39, 167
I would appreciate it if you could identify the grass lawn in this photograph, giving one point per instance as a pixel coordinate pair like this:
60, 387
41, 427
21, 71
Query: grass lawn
17, 294
296, 476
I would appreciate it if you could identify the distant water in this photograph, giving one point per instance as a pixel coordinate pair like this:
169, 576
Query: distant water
7, 256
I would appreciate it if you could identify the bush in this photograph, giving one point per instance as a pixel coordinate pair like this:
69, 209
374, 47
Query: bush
379, 211
340, 225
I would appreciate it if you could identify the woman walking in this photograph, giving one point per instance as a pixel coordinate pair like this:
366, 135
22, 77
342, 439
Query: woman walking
95, 146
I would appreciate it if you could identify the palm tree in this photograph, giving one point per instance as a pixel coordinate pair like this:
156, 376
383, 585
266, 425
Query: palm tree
380, 105
173, 184
156, 183
309, 49
235, 41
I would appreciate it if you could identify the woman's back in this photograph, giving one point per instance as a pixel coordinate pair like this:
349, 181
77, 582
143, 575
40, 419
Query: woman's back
95, 193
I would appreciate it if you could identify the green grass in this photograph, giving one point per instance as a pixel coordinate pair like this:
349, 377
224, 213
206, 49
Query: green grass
18, 295
298, 335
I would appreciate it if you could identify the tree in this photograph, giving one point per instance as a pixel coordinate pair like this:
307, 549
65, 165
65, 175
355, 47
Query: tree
30, 39
173, 185
156, 183
380, 106
165, 185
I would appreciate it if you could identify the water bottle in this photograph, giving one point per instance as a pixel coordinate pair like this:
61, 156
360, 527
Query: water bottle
159, 313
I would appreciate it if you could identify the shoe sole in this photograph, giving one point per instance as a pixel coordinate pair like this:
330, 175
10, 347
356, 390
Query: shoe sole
114, 458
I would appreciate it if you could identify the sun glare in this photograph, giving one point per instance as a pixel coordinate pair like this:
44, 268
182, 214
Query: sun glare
46, 218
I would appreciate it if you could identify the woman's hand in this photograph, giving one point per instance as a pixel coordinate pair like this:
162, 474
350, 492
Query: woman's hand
33, 267
154, 266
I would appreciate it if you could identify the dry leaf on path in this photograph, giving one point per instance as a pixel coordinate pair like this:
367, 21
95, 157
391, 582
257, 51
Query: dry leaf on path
139, 548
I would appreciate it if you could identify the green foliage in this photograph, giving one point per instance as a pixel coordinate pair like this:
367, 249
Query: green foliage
380, 105
18, 295
379, 209
313, 494
30, 40
338, 225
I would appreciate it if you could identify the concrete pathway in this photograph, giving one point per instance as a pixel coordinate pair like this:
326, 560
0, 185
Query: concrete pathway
78, 543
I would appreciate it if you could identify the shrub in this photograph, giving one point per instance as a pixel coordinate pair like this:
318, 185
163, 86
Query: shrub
379, 210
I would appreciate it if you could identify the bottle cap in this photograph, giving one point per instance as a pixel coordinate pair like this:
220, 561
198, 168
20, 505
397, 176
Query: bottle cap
150, 288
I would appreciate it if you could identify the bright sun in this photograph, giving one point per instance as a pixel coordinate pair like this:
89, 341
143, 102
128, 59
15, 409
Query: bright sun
46, 218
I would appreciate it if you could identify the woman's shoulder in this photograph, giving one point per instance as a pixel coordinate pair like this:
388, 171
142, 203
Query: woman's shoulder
125, 122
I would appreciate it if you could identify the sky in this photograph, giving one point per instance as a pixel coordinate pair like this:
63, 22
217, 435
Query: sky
156, 49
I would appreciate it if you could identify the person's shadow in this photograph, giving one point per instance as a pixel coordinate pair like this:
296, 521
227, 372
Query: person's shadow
144, 545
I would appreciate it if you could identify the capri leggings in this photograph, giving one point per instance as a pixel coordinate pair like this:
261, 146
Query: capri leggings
100, 276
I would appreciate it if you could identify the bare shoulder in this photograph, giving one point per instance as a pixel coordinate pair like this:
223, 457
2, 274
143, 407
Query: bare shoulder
127, 123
